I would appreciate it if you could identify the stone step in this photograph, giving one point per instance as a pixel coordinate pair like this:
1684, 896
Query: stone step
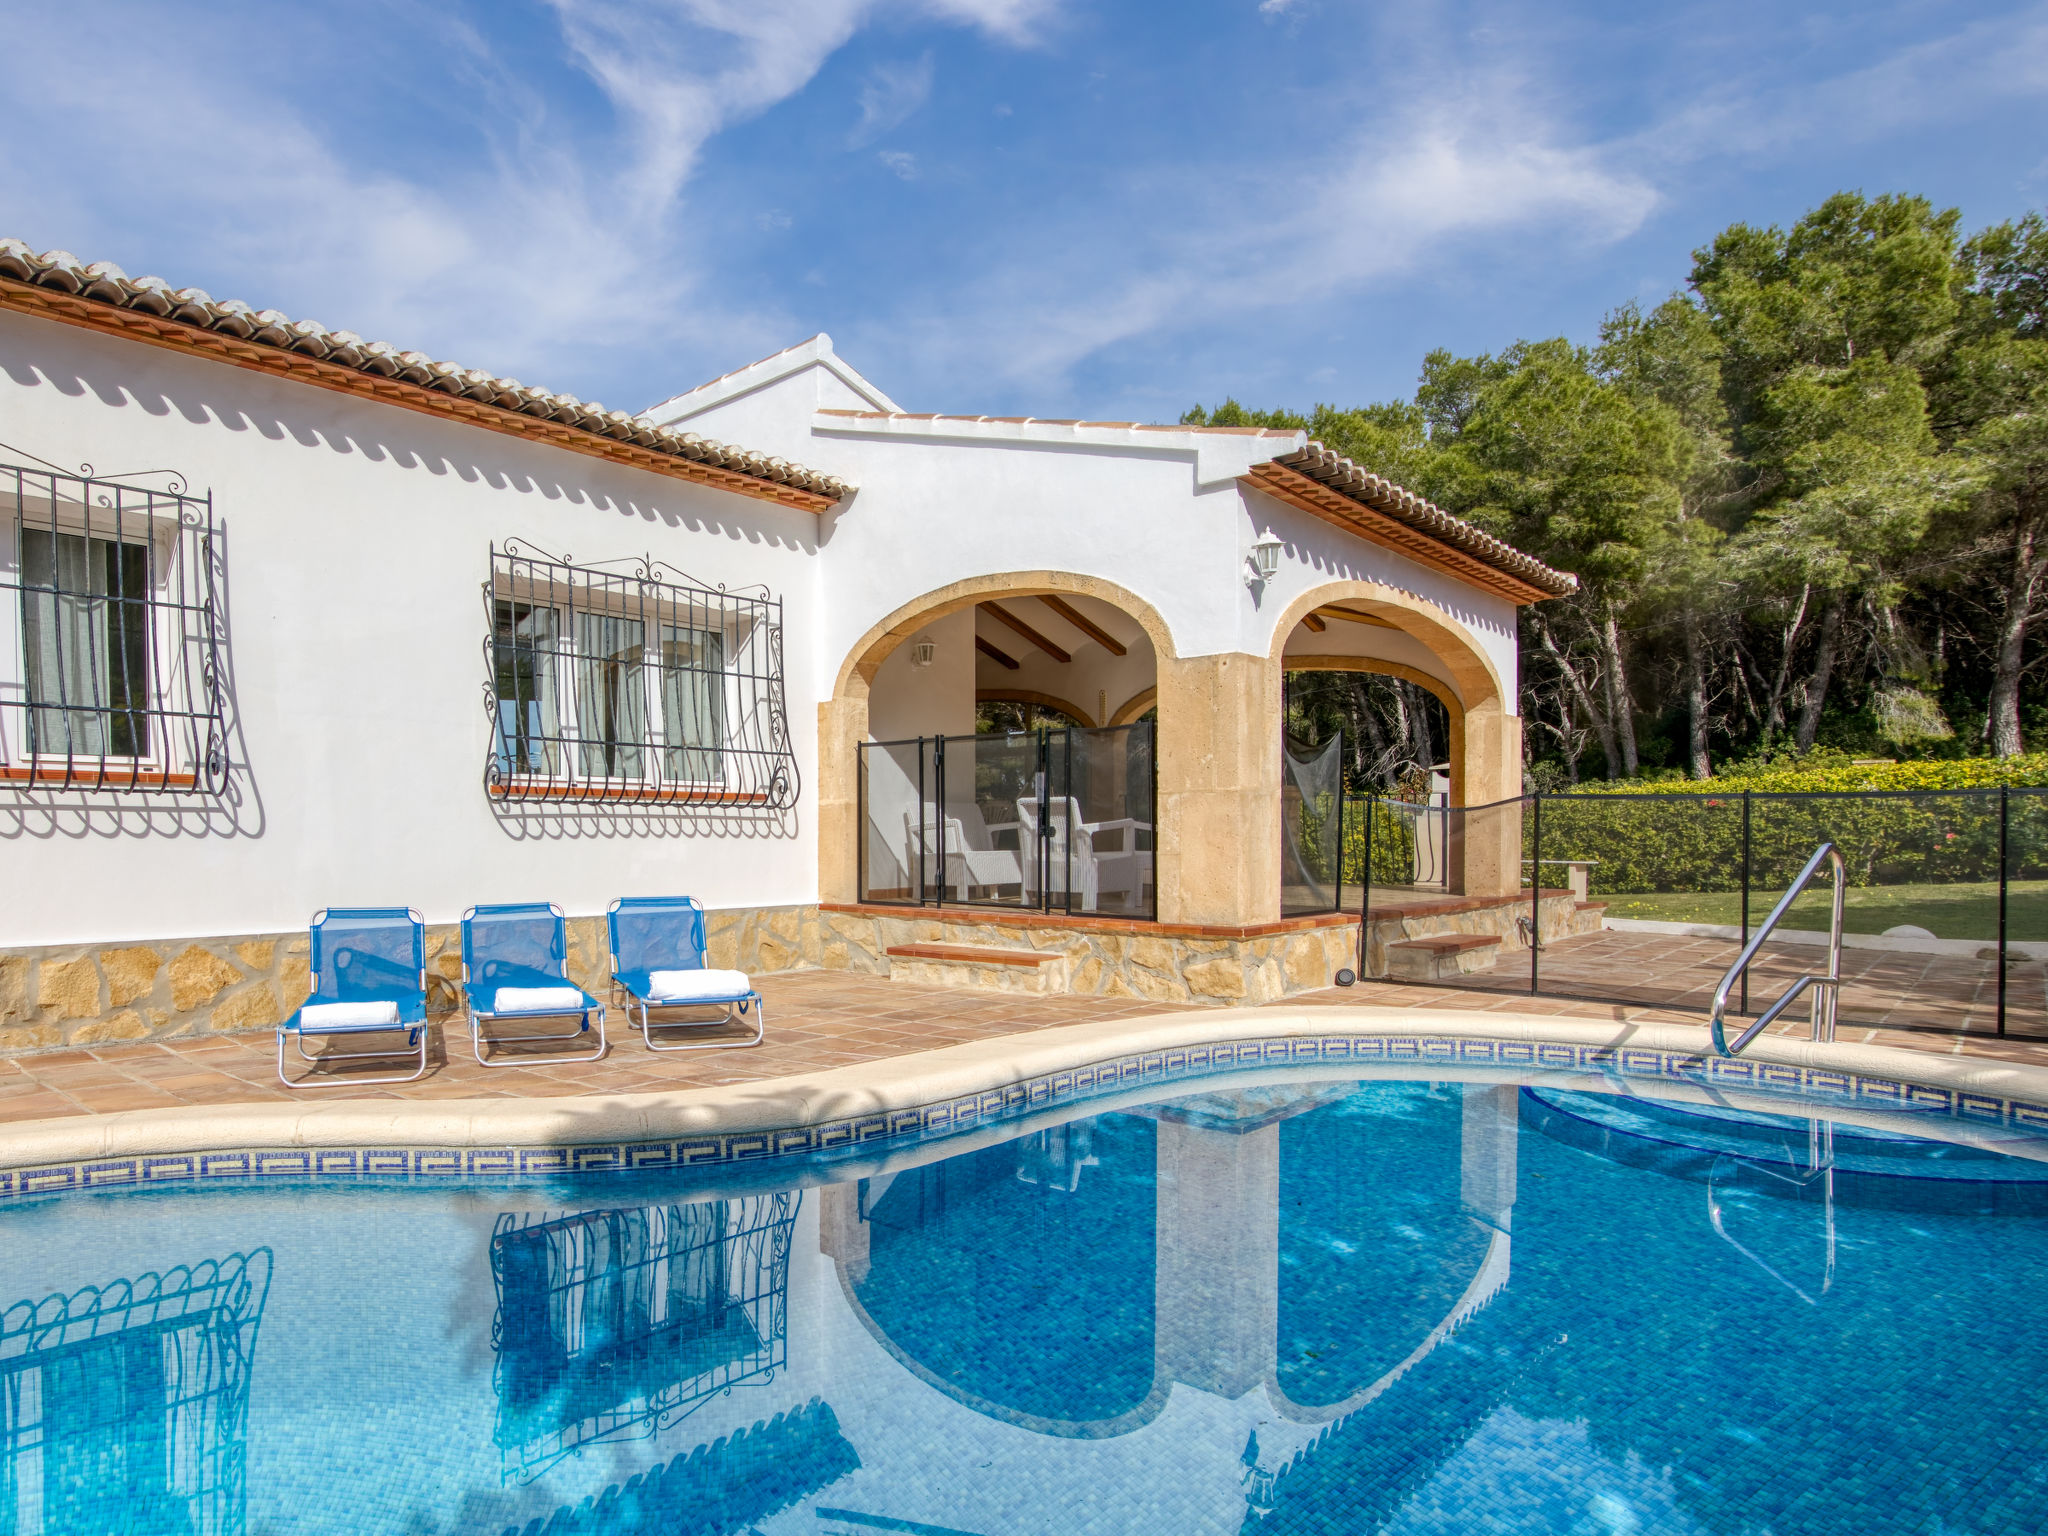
1442, 956
1035, 972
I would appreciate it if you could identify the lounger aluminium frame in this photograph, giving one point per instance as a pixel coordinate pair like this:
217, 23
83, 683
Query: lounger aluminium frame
652, 934
364, 961
513, 956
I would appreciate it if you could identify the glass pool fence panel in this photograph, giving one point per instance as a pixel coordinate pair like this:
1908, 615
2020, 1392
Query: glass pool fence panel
1055, 821
1642, 895
1311, 826
990, 790
1401, 845
897, 839
2025, 906
1647, 899
1111, 860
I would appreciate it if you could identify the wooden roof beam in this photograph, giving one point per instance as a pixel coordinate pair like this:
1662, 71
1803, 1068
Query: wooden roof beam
1314, 623
1083, 623
1003, 615
993, 654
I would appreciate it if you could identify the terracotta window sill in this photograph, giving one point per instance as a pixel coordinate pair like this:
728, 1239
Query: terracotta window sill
605, 790
59, 776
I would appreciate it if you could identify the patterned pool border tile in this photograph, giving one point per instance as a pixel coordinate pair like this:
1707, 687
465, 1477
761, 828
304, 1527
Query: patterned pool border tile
1067, 1085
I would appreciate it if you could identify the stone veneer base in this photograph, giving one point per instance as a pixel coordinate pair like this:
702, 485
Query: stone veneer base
884, 1106
1102, 956
69, 996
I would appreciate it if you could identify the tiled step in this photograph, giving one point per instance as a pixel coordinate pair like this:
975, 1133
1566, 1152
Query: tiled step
1442, 956
1036, 972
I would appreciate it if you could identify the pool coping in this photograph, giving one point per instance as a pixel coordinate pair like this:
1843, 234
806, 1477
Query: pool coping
885, 1102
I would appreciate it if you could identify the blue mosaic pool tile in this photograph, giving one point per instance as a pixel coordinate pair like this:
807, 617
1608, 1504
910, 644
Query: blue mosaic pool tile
1149, 1067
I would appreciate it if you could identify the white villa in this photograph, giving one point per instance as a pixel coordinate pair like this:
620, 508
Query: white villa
291, 620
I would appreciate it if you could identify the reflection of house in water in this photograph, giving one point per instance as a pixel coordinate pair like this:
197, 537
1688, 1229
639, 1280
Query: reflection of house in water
616, 1323
1301, 1249
124, 1407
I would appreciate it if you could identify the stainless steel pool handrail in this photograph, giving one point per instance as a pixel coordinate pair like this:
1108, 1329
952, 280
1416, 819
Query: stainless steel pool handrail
1826, 986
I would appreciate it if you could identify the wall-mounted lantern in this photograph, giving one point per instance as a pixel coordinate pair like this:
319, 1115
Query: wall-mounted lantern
923, 652
1263, 563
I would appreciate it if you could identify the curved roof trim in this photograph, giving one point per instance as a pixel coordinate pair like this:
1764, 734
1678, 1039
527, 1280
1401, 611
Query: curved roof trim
100, 296
1322, 481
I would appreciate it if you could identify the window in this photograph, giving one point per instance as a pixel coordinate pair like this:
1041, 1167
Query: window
108, 639
634, 685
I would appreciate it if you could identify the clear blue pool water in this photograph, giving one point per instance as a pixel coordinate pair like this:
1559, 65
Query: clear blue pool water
1391, 1307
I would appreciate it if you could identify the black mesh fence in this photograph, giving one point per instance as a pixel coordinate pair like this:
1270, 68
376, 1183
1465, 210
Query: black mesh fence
1649, 899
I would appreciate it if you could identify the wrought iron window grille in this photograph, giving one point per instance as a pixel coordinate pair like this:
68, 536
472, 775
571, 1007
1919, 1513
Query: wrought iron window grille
616, 1324
630, 681
133, 1396
110, 636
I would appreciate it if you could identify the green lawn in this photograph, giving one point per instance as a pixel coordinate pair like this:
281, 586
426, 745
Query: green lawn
1947, 911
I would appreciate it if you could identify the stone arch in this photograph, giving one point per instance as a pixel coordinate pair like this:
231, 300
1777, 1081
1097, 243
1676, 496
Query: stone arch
1134, 706
1032, 696
1486, 736
843, 717
857, 669
1467, 668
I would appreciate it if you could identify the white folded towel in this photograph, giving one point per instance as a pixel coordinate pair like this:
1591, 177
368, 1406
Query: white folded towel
538, 1000
697, 986
348, 1015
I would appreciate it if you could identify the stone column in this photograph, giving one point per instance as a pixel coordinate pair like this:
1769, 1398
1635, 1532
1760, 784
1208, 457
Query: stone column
1485, 852
1217, 1281
842, 726
1219, 789
842, 1235
1490, 1126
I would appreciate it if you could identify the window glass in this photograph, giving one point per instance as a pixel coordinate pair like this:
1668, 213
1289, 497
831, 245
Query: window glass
692, 690
524, 649
611, 696
85, 623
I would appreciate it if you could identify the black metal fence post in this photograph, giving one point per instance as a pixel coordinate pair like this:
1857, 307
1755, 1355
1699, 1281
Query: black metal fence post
939, 814
1744, 942
1536, 894
1365, 888
2004, 863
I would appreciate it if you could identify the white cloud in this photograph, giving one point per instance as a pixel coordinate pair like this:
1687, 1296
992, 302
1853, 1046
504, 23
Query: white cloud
511, 253
1277, 7
888, 97
901, 162
1468, 166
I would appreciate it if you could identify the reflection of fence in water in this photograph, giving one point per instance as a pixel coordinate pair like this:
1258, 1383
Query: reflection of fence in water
125, 1406
615, 1324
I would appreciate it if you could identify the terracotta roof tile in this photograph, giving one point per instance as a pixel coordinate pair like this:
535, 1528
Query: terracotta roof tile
1055, 421
106, 283
1330, 468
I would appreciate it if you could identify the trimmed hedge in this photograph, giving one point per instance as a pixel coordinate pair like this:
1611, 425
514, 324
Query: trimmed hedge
1831, 775
1687, 839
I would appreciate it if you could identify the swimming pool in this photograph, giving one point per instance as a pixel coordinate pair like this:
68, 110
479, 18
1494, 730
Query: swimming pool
1298, 1305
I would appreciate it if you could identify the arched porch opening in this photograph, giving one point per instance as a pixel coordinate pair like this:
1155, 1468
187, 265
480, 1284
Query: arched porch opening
1057, 640
1369, 628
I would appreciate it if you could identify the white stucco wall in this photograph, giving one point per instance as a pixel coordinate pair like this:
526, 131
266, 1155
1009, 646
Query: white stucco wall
358, 537
1159, 513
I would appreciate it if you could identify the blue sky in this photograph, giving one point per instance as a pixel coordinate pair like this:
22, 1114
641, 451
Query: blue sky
1044, 207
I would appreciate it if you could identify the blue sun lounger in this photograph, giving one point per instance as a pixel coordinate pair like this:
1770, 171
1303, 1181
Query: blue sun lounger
369, 972
658, 962
515, 965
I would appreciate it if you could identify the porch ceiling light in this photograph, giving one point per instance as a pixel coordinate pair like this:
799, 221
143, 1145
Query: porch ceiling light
1264, 560
923, 652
